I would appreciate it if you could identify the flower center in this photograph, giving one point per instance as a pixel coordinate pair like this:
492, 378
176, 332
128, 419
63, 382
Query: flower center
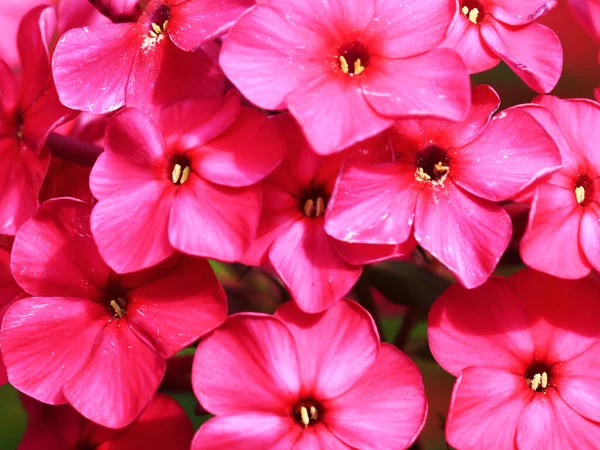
314, 202
116, 299
433, 165
307, 413
180, 170
156, 23
537, 377
583, 190
472, 10
353, 58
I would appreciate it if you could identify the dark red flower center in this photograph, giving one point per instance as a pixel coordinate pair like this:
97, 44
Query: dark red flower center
314, 202
115, 298
157, 20
307, 412
538, 376
433, 165
179, 170
86, 446
353, 58
584, 189
473, 10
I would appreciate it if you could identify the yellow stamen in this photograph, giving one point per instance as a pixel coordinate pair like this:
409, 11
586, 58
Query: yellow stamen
120, 312
465, 10
304, 415
544, 380
440, 168
158, 30
358, 68
538, 380
580, 194
176, 174
164, 27
314, 415
185, 175
309, 208
319, 212
473, 15
344, 64
422, 175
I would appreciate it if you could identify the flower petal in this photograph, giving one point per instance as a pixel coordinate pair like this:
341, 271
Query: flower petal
47, 340
521, 12
362, 254
533, 52
388, 404
174, 310
248, 364
589, 235
467, 234
336, 348
318, 437
119, 379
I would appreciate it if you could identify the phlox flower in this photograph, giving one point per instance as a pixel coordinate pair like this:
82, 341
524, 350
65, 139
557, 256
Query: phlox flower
563, 233
525, 351
296, 380
185, 182
101, 68
316, 268
89, 337
346, 69
441, 182
163, 425
487, 31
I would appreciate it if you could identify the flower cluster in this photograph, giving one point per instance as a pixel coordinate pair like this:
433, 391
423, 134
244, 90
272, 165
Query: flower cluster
225, 199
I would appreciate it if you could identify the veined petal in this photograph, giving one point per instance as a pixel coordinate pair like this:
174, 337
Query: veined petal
521, 12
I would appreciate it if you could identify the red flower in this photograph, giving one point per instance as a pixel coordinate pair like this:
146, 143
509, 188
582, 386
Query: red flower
306, 381
525, 351
345, 69
441, 181
89, 337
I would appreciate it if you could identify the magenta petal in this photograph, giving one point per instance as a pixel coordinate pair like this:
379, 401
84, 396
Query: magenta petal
244, 154
497, 165
3, 375
318, 106
373, 204
551, 242
194, 22
46, 341
362, 254
55, 255
214, 221
306, 261
462, 320
335, 348
249, 364
21, 176
467, 234
173, 311
520, 12
319, 437
533, 52
91, 66
387, 404
589, 235
486, 419
119, 379
410, 87
8, 93
251, 431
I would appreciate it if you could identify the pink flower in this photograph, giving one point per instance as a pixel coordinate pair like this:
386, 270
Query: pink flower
487, 31
119, 10
184, 183
89, 337
163, 424
316, 268
305, 381
29, 111
563, 233
525, 351
102, 68
441, 181
346, 69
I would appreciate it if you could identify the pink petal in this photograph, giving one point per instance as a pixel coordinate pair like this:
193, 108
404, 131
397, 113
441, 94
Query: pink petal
9, 92
467, 329
3, 375
194, 22
520, 12
54, 253
251, 431
174, 310
362, 254
319, 106
465, 38
309, 266
533, 52
409, 87
91, 66
336, 348
47, 340
21, 176
373, 204
497, 165
318, 437
589, 235
467, 234
264, 45
249, 364
551, 242
408, 29
485, 409
548, 422
244, 154
213, 221
118, 380
387, 404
